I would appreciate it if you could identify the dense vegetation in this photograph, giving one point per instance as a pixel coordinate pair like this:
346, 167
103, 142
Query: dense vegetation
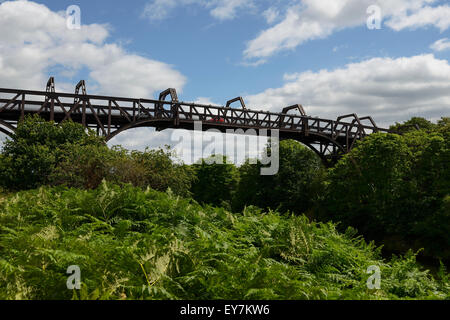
142, 225
135, 244
41, 153
394, 189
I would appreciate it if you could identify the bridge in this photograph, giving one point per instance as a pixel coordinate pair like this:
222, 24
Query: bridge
110, 116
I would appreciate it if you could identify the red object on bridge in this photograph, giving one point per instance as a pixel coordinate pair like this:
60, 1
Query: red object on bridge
217, 119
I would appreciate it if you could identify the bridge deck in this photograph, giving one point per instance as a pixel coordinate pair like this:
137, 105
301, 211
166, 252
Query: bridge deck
112, 115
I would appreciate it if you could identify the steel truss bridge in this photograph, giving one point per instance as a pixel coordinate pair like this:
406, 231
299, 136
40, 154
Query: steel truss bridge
109, 116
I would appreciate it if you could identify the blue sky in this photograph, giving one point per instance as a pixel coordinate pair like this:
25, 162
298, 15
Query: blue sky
319, 53
209, 51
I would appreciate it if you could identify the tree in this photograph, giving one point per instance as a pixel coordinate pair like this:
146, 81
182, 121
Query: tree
86, 167
443, 127
83, 166
44, 153
429, 222
249, 190
294, 188
392, 189
368, 187
215, 182
36, 147
160, 171
415, 123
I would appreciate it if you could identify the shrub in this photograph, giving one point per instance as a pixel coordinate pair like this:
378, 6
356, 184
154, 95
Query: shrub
135, 244
37, 146
214, 183
43, 153
392, 189
87, 166
296, 187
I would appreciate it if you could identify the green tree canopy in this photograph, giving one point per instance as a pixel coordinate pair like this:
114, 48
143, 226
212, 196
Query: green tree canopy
87, 166
215, 182
392, 188
33, 151
415, 123
295, 187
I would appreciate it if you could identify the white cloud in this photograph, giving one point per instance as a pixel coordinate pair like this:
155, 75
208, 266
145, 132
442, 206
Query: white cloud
438, 17
136, 76
227, 9
388, 89
159, 9
156, 10
287, 34
441, 45
206, 101
141, 138
271, 15
35, 40
307, 20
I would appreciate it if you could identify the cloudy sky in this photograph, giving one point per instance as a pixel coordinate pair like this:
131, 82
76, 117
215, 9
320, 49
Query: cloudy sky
320, 53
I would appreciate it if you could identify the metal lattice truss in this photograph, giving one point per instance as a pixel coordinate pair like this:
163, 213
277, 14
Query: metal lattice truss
110, 116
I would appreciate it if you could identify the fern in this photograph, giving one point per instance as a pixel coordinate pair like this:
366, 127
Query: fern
135, 244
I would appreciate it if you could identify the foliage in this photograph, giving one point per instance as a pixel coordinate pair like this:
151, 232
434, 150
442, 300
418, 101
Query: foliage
83, 166
86, 167
43, 153
295, 188
216, 180
29, 157
392, 189
415, 123
135, 244
367, 186
444, 127
160, 171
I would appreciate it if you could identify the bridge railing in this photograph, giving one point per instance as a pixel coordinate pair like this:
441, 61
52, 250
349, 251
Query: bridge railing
106, 112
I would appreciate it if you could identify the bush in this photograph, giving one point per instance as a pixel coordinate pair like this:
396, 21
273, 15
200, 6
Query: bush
296, 187
161, 171
214, 182
415, 123
135, 244
392, 189
37, 146
83, 166
87, 166
43, 153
